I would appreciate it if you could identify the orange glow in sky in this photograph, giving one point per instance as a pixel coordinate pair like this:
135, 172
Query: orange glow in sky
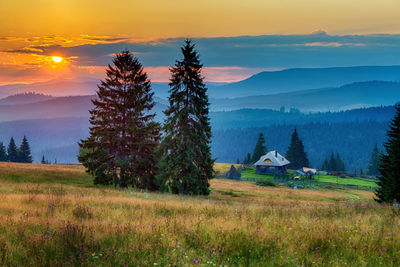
33, 32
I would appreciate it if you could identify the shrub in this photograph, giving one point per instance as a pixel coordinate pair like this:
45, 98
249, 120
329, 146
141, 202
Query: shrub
265, 183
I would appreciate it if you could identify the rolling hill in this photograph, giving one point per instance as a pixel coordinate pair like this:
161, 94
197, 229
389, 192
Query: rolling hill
289, 80
350, 96
263, 83
56, 107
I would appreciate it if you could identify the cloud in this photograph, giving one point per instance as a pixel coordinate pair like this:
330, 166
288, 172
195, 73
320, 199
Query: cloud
333, 44
225, 59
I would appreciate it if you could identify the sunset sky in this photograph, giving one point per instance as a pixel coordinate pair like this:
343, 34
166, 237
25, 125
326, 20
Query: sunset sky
235, 38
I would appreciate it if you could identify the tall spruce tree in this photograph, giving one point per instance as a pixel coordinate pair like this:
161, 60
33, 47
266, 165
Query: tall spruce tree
3, 152
24, 153
123, 135
186, 164
389, 167
12, 151
296, 154
374, 161
260, 149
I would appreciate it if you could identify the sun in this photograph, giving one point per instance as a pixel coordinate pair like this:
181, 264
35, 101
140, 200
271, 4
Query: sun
57, 59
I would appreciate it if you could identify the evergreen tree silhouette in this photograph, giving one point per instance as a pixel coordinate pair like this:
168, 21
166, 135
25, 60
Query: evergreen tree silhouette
339, 164
123, 135
3, 152
260, 149
389, 167
186, 164
296, 154
333, 166
12, 151
24, 154
374, 161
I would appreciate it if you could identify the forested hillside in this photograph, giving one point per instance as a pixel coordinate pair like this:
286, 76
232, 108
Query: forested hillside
264, 117
234, 132
353, 140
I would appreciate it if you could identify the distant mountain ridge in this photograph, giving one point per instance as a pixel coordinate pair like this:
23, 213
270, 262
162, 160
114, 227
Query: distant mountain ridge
350, 96
263, 83
24, 98
289, 80
56, 107
60, 87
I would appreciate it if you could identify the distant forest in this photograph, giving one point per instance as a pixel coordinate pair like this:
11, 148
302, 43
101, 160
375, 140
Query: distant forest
265, 117
352, 134
354, 141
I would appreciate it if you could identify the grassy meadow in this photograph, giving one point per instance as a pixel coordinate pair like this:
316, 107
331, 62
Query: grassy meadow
52, 215
250, 173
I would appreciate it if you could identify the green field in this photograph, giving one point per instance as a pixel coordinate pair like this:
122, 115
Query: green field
249, 173
52, 215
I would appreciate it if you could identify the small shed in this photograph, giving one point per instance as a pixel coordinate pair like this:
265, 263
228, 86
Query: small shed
271, 163
233, 173
309, 172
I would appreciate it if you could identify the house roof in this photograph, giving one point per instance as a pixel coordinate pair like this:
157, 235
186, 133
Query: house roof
272, 159
305, 169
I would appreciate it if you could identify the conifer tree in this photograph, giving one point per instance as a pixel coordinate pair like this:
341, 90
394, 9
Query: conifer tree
123, 135
260, 149
12, 151
333, 166
24, 154
374, 161
389, 167
3, 152
296, 154
186, 164
339, 164
43, 161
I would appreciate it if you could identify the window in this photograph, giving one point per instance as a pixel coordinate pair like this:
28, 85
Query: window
267, 160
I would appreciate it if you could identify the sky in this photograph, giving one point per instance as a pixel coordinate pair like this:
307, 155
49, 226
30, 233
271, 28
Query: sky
234, 38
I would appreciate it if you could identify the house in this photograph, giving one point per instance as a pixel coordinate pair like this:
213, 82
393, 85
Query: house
271, 163
309, 172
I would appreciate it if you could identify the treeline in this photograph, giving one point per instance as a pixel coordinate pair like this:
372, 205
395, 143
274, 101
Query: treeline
354, 141
244, 118
13, 153
334, 164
